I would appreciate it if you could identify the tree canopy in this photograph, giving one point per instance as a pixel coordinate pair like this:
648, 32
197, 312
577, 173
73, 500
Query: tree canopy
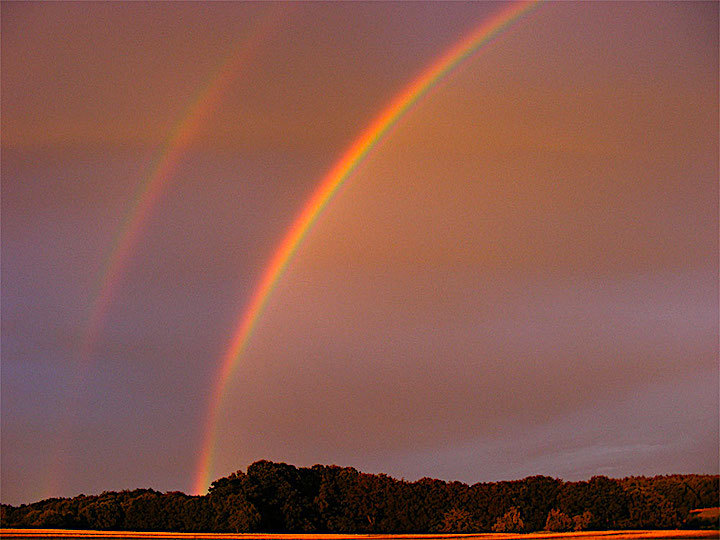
277, 497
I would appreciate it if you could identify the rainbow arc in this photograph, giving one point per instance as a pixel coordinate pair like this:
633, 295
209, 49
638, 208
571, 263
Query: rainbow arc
324, 193
150, 192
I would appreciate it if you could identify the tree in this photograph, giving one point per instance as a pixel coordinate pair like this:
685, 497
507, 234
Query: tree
582, 521
104, 515
510, 522
648, 509
558, 521
283, 498
242, 516
457, 520
607, 501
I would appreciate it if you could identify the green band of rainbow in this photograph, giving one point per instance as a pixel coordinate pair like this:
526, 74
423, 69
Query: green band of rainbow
327, 188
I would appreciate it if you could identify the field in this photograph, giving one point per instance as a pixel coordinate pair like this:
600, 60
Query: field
615, 535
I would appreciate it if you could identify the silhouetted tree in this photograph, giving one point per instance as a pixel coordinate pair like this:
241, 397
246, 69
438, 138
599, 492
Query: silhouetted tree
282, 498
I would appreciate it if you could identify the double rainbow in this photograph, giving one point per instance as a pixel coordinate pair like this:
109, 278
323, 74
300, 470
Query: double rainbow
323, 194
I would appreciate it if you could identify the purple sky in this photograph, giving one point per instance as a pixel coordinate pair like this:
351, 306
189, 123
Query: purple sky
522, 278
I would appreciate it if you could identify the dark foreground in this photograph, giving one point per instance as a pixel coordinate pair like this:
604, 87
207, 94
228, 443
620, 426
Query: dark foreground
342, 500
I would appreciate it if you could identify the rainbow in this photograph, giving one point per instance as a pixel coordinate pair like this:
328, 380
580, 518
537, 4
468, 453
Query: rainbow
323, 194
149, 192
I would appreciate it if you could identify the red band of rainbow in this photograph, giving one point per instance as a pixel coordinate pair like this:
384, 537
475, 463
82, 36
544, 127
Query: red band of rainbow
325, 191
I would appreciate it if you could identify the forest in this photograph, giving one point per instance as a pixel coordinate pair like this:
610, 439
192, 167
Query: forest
277, 497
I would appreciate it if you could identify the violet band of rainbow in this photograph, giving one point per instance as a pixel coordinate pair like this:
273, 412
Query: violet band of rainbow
327, 188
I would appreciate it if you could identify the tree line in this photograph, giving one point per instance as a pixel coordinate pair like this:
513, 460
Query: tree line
277, 497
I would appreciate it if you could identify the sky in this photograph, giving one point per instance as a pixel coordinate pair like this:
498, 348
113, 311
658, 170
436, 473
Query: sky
520, 278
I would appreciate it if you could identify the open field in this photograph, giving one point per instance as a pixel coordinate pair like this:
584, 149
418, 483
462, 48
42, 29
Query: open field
615, 535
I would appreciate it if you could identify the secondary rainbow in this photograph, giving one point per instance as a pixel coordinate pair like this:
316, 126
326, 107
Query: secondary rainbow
327, 188
149, 192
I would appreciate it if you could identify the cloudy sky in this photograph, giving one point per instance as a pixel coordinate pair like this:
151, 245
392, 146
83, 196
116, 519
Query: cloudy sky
521, 277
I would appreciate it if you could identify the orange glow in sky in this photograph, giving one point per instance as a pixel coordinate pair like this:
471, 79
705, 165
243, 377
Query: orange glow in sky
522, 278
